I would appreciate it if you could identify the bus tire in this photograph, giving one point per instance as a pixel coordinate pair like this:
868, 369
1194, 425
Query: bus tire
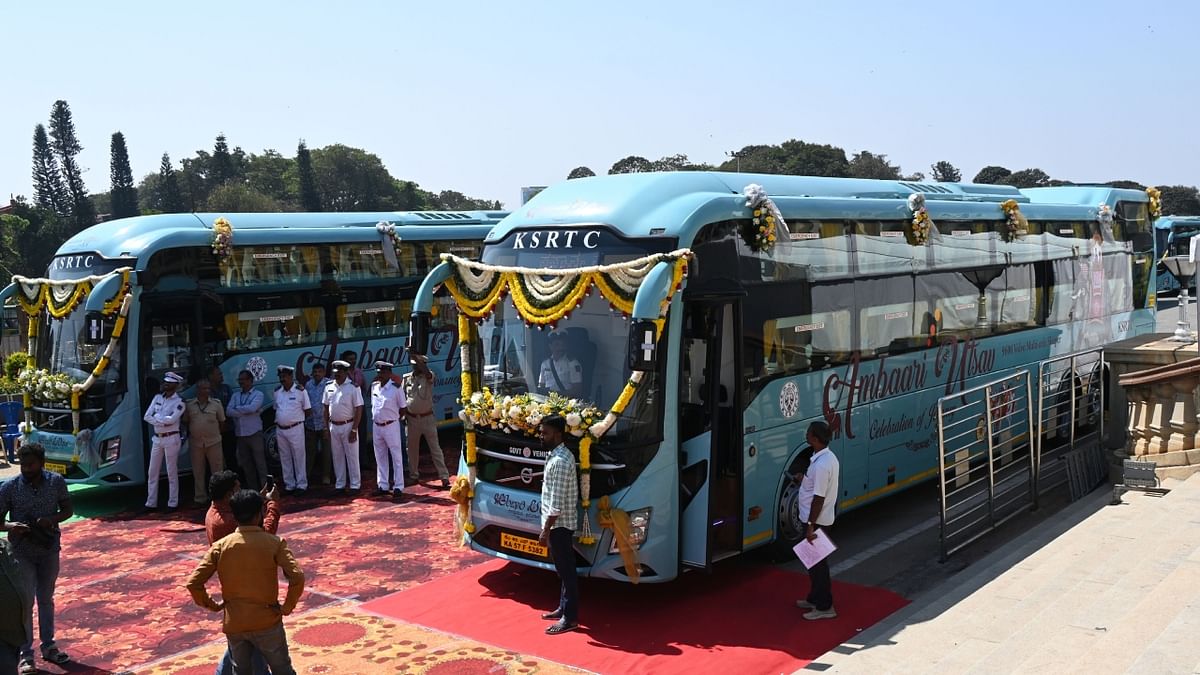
788, 528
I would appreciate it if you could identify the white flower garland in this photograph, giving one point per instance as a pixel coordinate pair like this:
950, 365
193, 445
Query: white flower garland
635, 269
765, 226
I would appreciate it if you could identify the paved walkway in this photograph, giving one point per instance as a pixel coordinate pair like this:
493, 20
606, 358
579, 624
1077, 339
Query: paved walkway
1100, 589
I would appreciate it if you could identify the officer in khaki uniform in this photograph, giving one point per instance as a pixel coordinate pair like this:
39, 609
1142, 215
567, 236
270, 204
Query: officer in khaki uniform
422, 423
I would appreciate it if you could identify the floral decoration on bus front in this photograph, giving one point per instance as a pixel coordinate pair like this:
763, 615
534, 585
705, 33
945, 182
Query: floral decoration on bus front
222, 238
524, 412
45, 386
1015, 224
760, 235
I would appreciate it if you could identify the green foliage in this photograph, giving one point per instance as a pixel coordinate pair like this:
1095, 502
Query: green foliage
1180, 200
38, 239
14, 363
793, 158
10, 387
220, 166
310, 198
238, 198
580, 172
1127, 184
632, 164
168, 197
124, 194
868, 165
945, 172
271, 174
1028, 178
991, 175
350, 179
49, 192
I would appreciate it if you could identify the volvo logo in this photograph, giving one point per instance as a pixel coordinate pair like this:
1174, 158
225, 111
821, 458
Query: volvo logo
527, 475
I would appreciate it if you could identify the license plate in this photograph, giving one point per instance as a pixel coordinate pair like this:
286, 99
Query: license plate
523, 545
60, 469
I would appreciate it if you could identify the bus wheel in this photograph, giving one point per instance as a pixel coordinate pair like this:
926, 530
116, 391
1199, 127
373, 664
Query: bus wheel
789, 527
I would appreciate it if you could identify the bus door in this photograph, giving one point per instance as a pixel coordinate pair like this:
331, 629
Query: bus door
168, 342
710, 453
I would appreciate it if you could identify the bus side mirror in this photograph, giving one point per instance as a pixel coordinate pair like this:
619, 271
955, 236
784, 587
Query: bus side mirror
418, 333
643, 348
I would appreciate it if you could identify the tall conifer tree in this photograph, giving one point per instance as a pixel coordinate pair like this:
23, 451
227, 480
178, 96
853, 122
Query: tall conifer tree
48, 189
310, 199
66, 145
170, 200
123, 194
220, 168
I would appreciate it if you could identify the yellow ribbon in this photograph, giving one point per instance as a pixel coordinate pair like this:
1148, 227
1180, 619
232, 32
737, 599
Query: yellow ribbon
461, 494
615, 519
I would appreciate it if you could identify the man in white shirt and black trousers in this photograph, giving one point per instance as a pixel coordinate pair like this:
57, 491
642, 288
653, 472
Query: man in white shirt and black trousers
163, 415
818, 503
388, 406
292, 407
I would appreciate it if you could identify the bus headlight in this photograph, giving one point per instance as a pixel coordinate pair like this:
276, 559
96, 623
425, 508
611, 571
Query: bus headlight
110, 450
639, 527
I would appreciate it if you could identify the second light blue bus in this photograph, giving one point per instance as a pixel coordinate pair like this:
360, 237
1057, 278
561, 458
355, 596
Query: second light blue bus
1172, 237
849, 317
292, 289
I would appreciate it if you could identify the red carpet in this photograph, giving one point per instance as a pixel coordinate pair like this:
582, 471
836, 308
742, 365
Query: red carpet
741, 619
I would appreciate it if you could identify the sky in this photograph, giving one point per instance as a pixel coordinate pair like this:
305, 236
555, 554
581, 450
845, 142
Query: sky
486, 97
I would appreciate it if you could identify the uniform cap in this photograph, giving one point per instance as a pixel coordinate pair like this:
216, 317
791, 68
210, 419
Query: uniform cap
339, 364
383, 365
281, 369
173, 378
558, 335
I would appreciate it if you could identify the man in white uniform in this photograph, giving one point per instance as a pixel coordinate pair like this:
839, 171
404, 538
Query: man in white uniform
291, 408
560, 372
818, 506
388, 407
343, 408
164, 414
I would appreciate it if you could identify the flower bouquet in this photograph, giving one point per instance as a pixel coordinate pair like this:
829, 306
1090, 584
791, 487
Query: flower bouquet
222, 238
45, 386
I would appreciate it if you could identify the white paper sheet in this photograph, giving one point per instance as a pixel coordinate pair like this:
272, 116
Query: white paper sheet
811, 553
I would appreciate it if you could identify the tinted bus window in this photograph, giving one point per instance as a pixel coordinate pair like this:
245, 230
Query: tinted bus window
273, 328
812, 329
362, 261
268, 265
887, 320
374, 319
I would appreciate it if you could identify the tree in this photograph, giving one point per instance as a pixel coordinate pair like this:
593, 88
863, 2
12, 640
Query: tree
792, 157
1127, 184
169, 198
35, 239
351, 179
991, 175
868, 165
580, 172
48, 189
237, 198
945, 172
410, 198
1180, 200
123, 193
632, 164
310, 199
269, 174
66, 145
220, 168
1028, 178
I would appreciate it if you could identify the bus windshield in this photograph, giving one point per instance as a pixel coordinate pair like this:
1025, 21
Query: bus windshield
61, 348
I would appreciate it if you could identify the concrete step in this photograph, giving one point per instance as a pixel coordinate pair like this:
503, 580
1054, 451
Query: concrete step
1101, 589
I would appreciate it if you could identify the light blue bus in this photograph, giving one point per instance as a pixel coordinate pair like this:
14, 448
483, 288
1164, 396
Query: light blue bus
1172, 236
845, 319
293, 289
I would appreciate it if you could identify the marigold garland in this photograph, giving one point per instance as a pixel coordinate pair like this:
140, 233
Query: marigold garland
922, 224
222, 238
765, 219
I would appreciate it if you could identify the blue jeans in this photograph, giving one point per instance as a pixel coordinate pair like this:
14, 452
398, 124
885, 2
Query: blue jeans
562, 552
259, 664
270, 642
41, 573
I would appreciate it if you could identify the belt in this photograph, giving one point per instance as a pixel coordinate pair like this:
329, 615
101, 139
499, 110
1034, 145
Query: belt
288, 426
413, 414
168, 434
384, 424
341, 422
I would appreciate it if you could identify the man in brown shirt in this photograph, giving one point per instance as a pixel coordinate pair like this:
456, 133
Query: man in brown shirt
247, 564
205, 417
422, 423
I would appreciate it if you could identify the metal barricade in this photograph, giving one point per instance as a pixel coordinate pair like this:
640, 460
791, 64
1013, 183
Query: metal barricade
1071, 423
986, 458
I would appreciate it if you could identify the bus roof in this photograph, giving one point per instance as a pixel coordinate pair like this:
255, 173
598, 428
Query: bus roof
1167, 222
668, 203
143, 235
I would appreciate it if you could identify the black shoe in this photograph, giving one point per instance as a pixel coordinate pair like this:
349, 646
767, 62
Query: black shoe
552, 616
397, 494
301, 492
380, 491
445, 483
561, 627
340, 492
